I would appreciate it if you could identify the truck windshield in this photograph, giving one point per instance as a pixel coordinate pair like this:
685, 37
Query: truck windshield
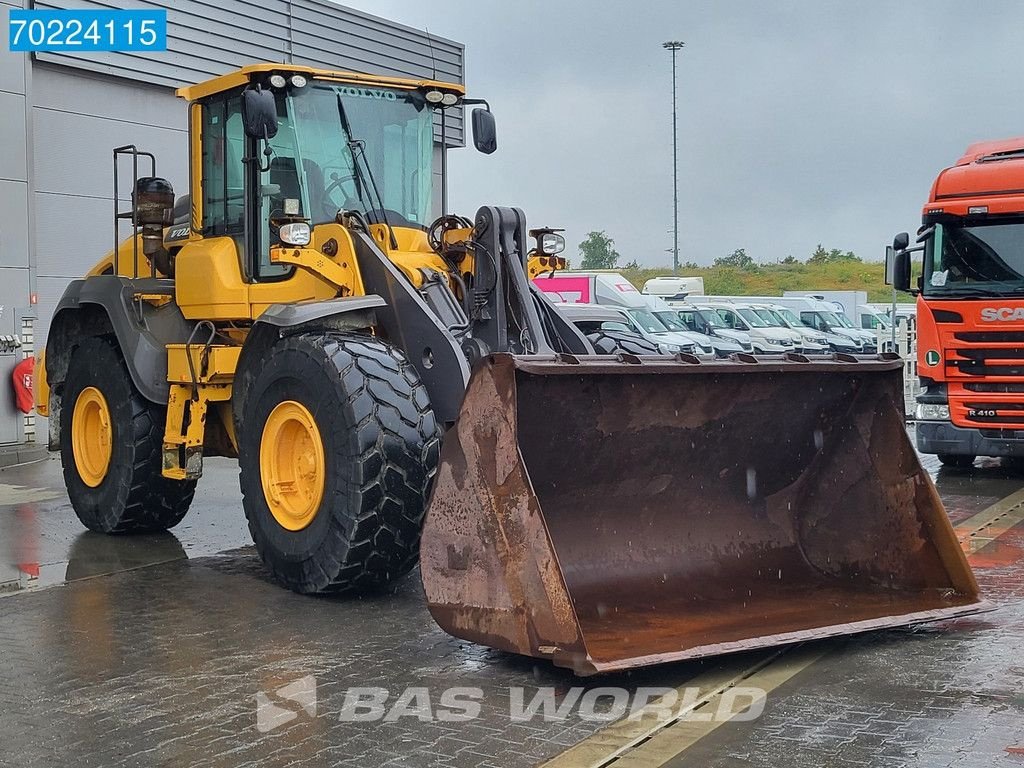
752, 317
843, 320
313, 163
977, 260
646, 320
671, 320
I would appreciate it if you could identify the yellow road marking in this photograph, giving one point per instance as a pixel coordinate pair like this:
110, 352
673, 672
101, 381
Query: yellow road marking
648, 738
978, 531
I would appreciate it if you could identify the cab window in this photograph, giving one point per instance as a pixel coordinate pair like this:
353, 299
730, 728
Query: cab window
223, 181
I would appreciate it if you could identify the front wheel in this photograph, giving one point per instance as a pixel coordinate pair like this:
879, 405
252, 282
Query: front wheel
338, 448
956, 460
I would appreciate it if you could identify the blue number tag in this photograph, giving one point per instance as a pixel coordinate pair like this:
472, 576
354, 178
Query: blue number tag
71, 30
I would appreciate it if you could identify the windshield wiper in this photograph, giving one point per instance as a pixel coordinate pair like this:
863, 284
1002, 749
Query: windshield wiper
358, 150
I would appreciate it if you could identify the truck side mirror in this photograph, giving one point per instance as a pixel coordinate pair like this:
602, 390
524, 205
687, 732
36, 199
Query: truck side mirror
901, 241
485, 137
259, 113
901, 271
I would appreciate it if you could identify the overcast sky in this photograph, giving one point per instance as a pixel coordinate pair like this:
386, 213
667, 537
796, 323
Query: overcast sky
799, 122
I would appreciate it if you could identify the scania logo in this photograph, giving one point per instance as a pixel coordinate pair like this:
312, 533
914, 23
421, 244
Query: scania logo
992, 314
368, 93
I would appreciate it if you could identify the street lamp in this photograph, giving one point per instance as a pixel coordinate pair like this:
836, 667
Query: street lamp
674, 45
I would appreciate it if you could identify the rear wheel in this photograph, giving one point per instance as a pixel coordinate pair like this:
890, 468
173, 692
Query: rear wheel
956, 460
338, 447
111, 441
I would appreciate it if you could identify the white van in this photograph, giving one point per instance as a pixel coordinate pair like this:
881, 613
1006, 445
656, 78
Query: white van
808, 340
765, 339
822, 316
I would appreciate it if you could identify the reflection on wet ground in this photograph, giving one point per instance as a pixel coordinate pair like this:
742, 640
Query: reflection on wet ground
159, 649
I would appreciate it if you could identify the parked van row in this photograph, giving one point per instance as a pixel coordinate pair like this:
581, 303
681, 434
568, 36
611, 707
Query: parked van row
672, 315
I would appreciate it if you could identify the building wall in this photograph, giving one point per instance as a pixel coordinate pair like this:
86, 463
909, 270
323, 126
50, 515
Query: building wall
62, 114
15, 229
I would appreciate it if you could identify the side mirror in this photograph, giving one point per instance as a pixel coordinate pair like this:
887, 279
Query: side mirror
485, 137
259, 113
901, 271
901, 241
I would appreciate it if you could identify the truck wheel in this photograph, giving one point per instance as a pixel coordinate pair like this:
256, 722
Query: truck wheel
338, 448
955, 460
111, 441
615, 342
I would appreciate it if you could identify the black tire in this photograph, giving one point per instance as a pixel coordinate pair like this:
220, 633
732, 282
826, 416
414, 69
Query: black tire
955, 460
380, 445
133, 497
616, 342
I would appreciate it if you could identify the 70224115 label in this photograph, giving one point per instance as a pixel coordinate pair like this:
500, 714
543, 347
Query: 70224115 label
39, 29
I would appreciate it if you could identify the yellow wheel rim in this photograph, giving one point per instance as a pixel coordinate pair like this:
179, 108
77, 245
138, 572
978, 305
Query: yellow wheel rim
292, 466
92, 439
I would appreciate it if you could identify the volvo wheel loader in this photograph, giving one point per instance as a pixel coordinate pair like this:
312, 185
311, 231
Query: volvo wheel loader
300, 309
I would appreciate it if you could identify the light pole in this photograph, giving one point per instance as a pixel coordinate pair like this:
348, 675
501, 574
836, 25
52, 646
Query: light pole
674, 45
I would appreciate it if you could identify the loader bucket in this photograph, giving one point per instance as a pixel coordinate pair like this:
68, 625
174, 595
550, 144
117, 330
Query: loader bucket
613, 513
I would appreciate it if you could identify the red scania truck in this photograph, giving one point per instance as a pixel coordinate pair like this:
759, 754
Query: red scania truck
970, 306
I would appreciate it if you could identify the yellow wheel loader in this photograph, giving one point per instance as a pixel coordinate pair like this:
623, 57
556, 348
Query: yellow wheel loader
302, 310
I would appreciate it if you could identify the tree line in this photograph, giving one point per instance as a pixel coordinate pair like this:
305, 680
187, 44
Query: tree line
597, 251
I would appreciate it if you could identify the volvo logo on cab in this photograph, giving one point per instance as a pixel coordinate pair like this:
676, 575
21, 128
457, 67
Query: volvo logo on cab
991, 314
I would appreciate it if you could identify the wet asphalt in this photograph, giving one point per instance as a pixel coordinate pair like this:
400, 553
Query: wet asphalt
176, 649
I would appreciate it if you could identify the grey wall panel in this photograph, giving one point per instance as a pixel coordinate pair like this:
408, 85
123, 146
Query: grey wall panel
12, 65
48, 290
13, 163
74, 233
14, 224
13, 294
60, 89
210, 38
207, 38
74, 153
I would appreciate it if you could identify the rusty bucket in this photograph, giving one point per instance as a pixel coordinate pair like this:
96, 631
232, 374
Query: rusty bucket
609, 514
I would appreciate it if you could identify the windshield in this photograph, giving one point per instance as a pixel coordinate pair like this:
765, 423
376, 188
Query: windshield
712, 318
843, 320
646, 320
313, 162
752, 317
982, 260
791, 319
671, 320
768, 317
830, 318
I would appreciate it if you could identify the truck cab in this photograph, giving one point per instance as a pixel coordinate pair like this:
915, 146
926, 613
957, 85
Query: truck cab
970, 306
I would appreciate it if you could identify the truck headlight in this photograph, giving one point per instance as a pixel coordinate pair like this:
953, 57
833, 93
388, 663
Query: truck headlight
775, 342
932, 412
296, 233
669, 348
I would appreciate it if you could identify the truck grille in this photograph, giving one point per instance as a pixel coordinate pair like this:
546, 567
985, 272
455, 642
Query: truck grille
991, 337
1004, 387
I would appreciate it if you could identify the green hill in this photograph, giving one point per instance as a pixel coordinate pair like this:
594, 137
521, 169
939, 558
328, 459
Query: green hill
773, 279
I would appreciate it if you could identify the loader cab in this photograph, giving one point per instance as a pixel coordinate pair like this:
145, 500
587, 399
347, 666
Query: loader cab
289, 159
332, 147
